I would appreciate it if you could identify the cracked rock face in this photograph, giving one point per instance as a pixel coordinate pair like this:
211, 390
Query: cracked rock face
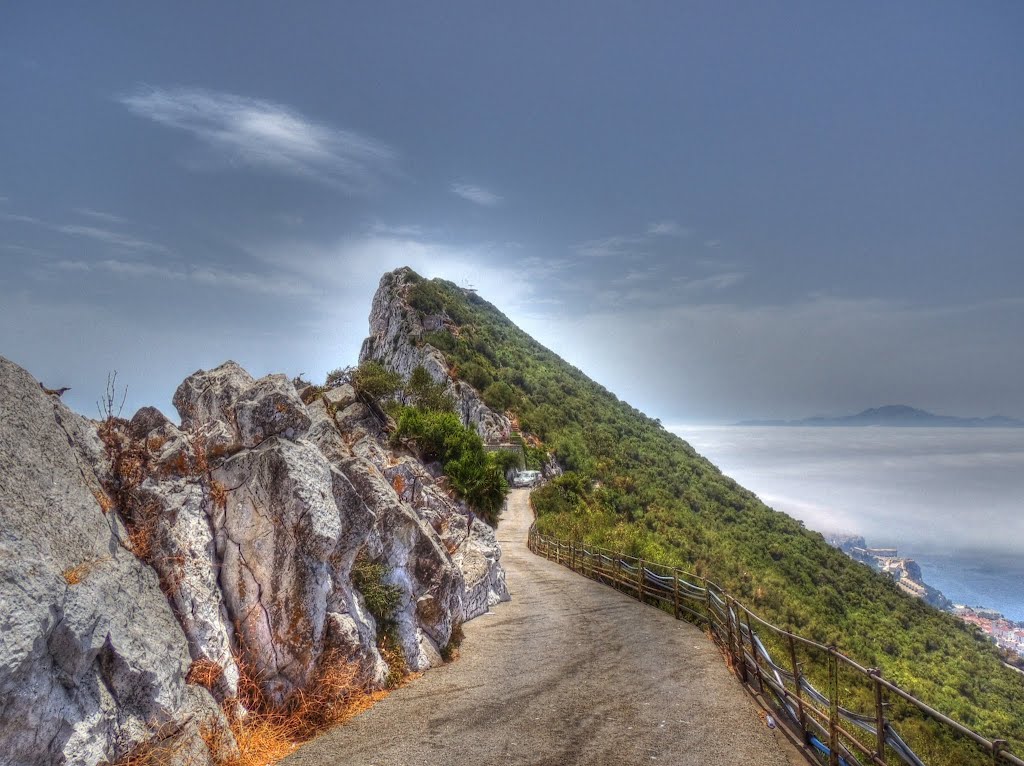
92, 658
228, 544
394, 325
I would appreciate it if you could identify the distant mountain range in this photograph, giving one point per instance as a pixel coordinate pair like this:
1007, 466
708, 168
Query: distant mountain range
895, 415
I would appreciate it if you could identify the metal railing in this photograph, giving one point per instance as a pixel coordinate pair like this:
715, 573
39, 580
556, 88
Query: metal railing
855, 733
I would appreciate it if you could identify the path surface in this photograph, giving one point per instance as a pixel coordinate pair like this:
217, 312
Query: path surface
568, 672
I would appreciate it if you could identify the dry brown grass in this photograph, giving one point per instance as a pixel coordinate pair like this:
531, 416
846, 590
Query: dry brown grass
204, 672
106, 503
269, 733
201, 464
398, 483
218, 494
155, 443
143, 527
76, 574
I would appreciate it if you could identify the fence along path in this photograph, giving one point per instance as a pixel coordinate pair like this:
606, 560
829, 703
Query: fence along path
838, 733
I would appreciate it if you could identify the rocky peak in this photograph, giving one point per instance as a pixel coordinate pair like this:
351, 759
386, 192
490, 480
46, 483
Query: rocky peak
397, 341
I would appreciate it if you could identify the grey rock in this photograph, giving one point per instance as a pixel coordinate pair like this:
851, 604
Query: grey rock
146, 420
270, 407
274, 538
206, 396
340, 397
242, 530
177, 512
92, 660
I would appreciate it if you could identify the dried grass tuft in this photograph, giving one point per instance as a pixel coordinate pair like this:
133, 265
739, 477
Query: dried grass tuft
398, 483
269, 733
106, 503
76, 574
218, 494
204, 672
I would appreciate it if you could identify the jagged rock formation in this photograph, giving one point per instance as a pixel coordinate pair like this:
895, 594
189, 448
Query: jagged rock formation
249, 518
396, 340
92, 658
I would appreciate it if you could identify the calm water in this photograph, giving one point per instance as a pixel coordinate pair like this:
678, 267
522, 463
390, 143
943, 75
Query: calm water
951, 498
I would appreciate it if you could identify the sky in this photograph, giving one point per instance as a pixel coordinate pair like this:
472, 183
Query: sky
719, 211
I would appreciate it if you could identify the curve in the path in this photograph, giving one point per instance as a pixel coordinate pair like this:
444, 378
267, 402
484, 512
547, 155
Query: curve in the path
568, 672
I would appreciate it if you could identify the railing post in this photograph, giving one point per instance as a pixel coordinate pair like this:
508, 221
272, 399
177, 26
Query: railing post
736, 634
675, 593
833, 707
729, 632
998, 746
640, 580
572, 553
876, 675
711, 614
797, 681
753, 654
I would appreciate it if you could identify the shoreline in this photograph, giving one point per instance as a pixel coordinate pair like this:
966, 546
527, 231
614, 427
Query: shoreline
1007, 634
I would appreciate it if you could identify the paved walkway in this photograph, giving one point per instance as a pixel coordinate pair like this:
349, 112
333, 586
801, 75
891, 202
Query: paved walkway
568, 672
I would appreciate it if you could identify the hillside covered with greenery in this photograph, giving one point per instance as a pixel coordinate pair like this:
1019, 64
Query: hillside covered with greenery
632, 486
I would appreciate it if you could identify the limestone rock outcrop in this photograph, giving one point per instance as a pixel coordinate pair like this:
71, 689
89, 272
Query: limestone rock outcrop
92, 658
150, 576
396, 341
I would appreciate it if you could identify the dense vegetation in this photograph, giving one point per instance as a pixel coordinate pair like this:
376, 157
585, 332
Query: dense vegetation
634, 487
427, 424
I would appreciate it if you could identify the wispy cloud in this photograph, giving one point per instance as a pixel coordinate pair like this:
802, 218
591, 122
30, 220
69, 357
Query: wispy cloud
20, 219
106, 236
23, 249
100, 215
667, 229
611, 247
476, 194
266, 135
264, 284
117, 239
712, 282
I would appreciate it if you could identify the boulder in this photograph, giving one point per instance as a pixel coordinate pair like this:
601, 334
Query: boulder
270, 407
340, 397
207, 396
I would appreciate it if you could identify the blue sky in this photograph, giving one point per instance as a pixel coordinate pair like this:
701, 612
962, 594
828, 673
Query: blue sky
719, 211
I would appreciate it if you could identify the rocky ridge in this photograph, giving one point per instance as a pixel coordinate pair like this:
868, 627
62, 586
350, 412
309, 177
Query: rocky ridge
151, 571
397, 340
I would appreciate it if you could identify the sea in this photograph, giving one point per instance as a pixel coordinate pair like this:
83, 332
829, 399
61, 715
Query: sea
950, 498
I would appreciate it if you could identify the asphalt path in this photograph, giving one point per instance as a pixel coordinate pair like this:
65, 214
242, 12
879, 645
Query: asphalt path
569, 672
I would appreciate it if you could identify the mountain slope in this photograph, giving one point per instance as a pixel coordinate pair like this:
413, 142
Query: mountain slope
634, 487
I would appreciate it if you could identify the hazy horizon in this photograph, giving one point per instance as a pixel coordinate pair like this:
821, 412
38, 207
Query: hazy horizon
949, 497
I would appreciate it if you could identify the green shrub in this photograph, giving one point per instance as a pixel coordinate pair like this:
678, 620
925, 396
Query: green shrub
476, 476
426, 393
338, 376
382, 601
499, 396
373, 380
426, 298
